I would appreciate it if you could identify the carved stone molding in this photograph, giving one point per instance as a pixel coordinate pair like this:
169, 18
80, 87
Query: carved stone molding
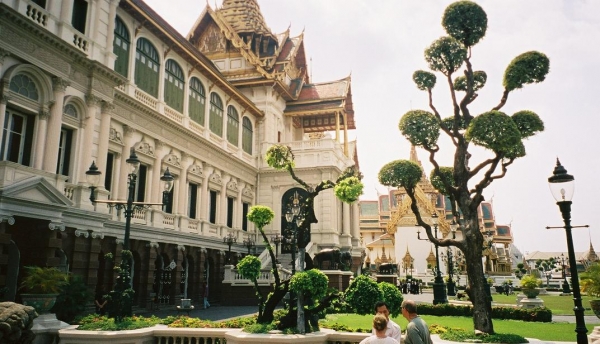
97, 235
92, 100
196, 169
216, 178
232, 185
59, 84
108, 107
119, 241
144, 147
181, 248
44, 114
56, 226
127, 130
152, 244
4, 99
115, 136
172, 159
248, 192
82, 233
158, 144
3, 55
8, 219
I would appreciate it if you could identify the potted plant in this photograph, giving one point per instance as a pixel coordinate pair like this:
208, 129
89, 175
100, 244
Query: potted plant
590, 284
529, 286
42, 285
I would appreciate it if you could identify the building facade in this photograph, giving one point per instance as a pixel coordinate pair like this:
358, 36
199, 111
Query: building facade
91, 81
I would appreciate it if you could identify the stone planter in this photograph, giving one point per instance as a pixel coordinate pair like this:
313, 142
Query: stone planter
41, 302
595, 305
531, 293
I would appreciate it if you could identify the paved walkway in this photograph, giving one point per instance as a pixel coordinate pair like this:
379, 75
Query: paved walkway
216, 313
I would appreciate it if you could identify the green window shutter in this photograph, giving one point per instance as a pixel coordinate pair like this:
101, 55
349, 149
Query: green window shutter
247, 135
121, 46
197, 101
146, 67
215, 120
174, 85
233, 125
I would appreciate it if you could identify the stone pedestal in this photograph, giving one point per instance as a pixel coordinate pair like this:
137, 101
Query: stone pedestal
531, 303
393, 279
46, 328
594, 337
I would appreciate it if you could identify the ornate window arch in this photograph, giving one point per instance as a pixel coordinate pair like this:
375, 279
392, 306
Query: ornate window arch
197, 101
216, 114
147, 67
121, 46
247, 135
233, 125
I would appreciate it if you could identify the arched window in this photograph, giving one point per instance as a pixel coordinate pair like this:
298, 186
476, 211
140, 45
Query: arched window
121, 46
23, 85
215, 120
247, 135
174, 85
197, 101
146, 67
233, 125
71, 110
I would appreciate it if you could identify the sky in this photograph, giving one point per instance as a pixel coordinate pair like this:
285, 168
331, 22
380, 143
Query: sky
380, 43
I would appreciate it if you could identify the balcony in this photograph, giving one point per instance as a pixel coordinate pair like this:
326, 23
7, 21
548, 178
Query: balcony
320, 153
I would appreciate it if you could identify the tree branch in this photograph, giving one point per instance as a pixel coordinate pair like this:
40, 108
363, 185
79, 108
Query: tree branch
503, 100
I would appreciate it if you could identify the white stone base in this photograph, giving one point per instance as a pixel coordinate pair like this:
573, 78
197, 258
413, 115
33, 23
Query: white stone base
46, 328
594, 337
531, 303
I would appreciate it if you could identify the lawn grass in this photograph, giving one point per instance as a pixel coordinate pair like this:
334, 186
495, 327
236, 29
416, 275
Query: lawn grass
542, 331
560, 305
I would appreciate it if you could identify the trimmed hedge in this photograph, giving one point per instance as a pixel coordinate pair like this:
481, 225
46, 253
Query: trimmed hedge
532, 314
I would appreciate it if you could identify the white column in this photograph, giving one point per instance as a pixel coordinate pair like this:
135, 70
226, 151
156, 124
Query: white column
3, 101
355, 221
66, 11
114, 192
86, 156
222, 210
204, 209
105, 118
127, 144
159, 148
54, 124
345, 218
40, 139
182, 193
237, 215
91, 30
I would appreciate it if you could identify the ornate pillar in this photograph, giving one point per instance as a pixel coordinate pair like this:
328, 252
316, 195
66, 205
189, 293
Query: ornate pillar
238, 214
159, 153
54, 125
86, 158
345, 218
204, 209
355, 221
105, 118
182, 192
40, 139
127, 145
222, 210
3, 101
110, 35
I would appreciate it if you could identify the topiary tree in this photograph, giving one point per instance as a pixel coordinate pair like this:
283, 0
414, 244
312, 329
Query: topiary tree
347, 187
313, 285
502, 135
250, 268
362, 294
392, 297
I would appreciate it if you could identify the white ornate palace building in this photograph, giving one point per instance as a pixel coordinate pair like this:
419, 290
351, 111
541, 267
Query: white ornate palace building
89, 80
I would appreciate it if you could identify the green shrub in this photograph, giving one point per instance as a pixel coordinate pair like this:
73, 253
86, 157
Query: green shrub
510, 313
392, 297
460, 335
95, 322
72, 300
362, 294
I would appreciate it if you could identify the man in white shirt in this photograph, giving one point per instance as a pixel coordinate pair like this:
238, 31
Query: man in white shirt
393, 330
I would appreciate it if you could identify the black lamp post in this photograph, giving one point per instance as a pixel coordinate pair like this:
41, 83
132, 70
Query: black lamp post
229, 240
123, 293
439, 290
562, 188
276, 239
565, 285
249, 243
295, 218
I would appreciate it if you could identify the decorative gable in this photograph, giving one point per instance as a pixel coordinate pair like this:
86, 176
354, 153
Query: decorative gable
36, 189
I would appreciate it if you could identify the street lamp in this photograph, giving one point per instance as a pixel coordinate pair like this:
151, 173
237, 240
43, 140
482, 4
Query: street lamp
121, 294
229, 240
276, 239
565, 286
439, 290
249, 243
294, 217
562, 187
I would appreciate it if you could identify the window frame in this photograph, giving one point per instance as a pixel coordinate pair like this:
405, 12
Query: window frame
247, 135
174, 85
147, 67
216, 112
197, 101
233, 125
122, 38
